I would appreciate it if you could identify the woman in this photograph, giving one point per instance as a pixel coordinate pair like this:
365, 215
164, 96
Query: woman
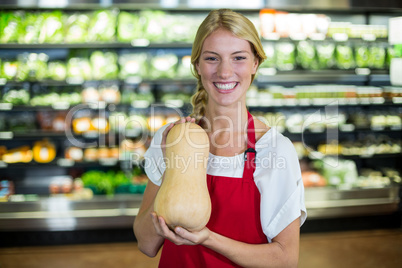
257, 196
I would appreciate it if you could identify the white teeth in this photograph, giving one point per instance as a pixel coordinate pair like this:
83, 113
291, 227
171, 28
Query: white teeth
225, 86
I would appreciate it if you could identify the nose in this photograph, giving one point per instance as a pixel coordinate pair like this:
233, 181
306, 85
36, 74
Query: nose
225, 70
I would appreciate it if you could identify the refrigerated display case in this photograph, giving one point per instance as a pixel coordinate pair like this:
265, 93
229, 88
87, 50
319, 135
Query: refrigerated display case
79, 107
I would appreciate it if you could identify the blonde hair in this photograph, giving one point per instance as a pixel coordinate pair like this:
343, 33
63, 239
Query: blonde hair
238, 25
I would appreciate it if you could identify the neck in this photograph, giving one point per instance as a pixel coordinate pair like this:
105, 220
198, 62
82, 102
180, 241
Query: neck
233, 119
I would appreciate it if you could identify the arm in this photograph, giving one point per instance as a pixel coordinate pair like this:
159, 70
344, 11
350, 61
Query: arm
149, 242
282, 252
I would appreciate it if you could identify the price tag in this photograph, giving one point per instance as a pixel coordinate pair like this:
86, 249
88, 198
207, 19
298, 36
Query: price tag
362, 71
133, 80
140, 104
75, 80
3, 164
347, 127
60, 105
64, 162
140, 43
108, 161
3, 81
174, 103
6, 106
6, 135
340, 37
369, 37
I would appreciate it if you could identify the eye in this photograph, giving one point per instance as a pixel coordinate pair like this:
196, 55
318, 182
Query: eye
211, 59
237, 58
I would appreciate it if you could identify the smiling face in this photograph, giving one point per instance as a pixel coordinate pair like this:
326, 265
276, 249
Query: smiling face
226, 65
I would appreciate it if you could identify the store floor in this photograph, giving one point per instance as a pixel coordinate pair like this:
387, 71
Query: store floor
374, 248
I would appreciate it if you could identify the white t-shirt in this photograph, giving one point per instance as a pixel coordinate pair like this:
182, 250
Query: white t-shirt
277, 176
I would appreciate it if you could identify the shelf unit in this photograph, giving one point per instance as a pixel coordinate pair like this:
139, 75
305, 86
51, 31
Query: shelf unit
61, 213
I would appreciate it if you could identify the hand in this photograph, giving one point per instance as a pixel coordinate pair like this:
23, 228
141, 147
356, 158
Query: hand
166, 131
179, 236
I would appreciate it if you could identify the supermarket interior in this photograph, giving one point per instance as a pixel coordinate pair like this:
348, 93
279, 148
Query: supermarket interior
84, 86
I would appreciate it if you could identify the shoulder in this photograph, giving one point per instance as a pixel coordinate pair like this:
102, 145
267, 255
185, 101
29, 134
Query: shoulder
260, 128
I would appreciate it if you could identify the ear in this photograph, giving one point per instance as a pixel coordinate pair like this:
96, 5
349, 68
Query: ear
197, 67
255, 65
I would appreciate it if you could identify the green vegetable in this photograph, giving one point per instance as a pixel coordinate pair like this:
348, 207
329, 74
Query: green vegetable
57, 70
285, 56
153, 25
128, 26
362, 56
104, 65
31, 28
77, 28
79, 68
269, 50
16, 97
306, 55
163, 65
10, 26
32, 66
9, 69
102, 26
344, 57
52, 28
134, 64
325, 55
377, 57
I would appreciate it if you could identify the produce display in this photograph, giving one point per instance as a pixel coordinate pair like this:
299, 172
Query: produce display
183, 198
112, 182
97, 26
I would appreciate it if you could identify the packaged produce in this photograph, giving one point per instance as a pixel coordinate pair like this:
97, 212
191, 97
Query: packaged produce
163, 65
180, 28
16, 96
153, 25
77, 28
128, 26
90, 95
44, 151
133, 65
325, 55
52, 30
344, 57
110, 93
74, 153
79, 69
104, 65
377, 57
184, 68
31, 27
9, 69
10, 26
102, 26
269, 50
81, 125
285, 56
21, 154
32, 66
362, 56
56, 70
306, 55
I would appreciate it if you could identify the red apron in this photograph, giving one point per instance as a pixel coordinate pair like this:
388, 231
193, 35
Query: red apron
235, 214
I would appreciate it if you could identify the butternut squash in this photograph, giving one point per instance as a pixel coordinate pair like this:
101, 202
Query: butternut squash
183, 198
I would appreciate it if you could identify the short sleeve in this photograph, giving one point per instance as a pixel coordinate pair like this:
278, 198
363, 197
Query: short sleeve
154, 165
279, 181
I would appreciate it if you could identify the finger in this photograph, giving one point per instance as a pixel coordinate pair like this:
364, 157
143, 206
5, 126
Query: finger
169, 234
156, 223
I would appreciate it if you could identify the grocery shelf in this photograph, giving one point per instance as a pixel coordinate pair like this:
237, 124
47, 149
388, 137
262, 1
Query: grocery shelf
97, 45
61, 213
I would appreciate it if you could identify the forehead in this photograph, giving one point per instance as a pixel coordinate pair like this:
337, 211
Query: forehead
223, 40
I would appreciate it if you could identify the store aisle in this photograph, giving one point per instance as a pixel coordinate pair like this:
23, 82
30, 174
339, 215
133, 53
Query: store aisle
374, 248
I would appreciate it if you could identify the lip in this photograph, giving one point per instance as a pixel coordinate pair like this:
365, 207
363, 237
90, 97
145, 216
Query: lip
225, 91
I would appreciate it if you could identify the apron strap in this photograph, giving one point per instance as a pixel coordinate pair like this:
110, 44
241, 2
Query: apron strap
250, 153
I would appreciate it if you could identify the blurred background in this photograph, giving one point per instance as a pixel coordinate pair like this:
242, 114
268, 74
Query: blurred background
84, 85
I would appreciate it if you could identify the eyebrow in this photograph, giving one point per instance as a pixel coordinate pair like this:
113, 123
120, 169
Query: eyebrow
236, 52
